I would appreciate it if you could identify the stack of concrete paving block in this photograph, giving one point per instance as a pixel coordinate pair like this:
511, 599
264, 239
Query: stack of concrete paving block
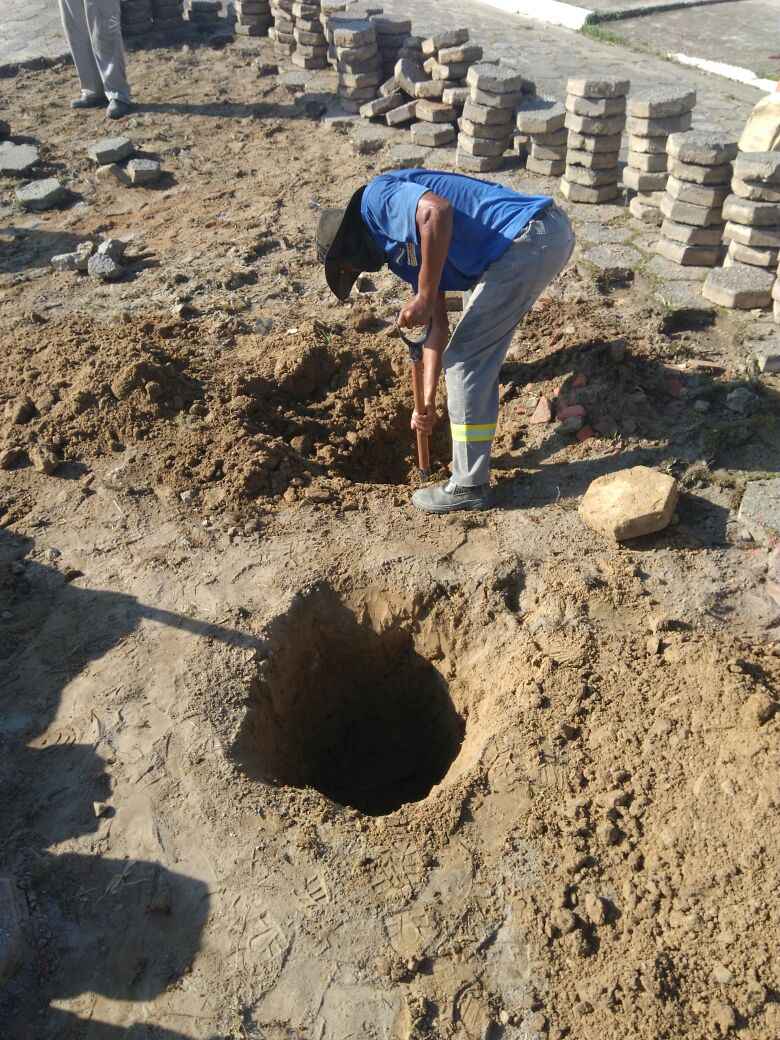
311, 47
448, 57
391, 37
692, 205
283, 28
652, 116
358, 61
137, 18
540, 121
752, 211
595, 119
487, 125
253, 17
168, 15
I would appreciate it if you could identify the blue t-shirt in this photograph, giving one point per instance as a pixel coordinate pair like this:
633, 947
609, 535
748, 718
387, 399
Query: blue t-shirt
487, 218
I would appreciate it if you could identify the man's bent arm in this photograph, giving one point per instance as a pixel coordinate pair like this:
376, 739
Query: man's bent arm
434, 224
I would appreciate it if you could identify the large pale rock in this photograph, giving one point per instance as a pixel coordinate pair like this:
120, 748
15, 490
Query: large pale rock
630, 503
762, 130
759, 512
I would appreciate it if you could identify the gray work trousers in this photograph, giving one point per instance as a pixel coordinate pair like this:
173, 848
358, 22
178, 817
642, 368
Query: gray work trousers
94, 32
474, 355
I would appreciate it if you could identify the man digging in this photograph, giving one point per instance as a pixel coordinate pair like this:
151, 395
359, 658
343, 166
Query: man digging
439, 232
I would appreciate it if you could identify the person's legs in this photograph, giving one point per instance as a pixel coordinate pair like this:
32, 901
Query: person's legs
476, 352
474, 356
74, 23
105, 29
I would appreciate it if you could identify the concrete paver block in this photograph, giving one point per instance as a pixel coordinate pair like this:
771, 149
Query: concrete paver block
604, 127
647, 162
707, 149
455, 96
592, 178
481, 146
432, 135
766, 238
491, 100
488, 131
757, 214
695, 173
462, 54
630, 503
598, 88
382, 105
545, 167
759, 511
767, 258
353, 32
763, 167
661, 127
477, 163
640, 180
698, 194
442, 40
436, 112
689, 213
487, 114
595, 107
648, 145
589, 143
648, 212
110, 150
592, 160
429, 88
689, 256
368, 140
143, 171
659, 102
540, 115
496, 79
739, 287
404, 157
593, 196
690, 235
403, 114
756, 191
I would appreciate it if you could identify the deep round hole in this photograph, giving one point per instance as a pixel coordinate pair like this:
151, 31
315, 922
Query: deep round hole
358, 715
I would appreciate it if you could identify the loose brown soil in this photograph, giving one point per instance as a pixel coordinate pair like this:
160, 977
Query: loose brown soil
283, 758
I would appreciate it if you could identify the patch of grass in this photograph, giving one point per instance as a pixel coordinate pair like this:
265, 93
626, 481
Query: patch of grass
598, 32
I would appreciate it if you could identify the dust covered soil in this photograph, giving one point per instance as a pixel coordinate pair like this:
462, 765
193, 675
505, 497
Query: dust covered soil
283, 758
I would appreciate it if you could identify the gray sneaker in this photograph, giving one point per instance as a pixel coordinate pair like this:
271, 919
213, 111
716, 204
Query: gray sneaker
448, 497
90, 101
118, 109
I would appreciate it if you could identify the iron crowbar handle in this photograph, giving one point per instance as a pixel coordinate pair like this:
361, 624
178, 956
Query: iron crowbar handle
415, 346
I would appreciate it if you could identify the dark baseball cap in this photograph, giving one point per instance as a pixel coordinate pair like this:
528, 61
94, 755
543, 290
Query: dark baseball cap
345, 246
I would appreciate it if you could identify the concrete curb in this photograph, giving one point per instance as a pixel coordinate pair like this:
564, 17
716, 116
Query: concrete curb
570, 16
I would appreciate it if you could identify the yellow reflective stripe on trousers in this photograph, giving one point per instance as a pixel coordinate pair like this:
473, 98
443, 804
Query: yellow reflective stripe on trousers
472, 431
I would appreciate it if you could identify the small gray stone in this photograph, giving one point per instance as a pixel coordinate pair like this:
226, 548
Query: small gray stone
739, 287
742, 401
759, 167
40, 195
143, 171
404, 157
759, 512
660, 102
113, 248
104, 268
495, 79
658, 127
66, 262
17, 158
706, 149
110, 150
540, 115
757, 214
768, 358
598, 88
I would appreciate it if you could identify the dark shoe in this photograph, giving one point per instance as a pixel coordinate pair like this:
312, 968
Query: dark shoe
448, 497
118, 109
90, 101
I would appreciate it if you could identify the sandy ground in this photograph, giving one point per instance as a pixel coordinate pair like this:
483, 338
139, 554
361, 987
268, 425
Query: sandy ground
284, 758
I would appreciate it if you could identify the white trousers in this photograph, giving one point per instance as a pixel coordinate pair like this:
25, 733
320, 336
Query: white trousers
94, 32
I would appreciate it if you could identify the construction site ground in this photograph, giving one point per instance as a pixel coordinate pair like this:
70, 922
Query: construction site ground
284, 758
